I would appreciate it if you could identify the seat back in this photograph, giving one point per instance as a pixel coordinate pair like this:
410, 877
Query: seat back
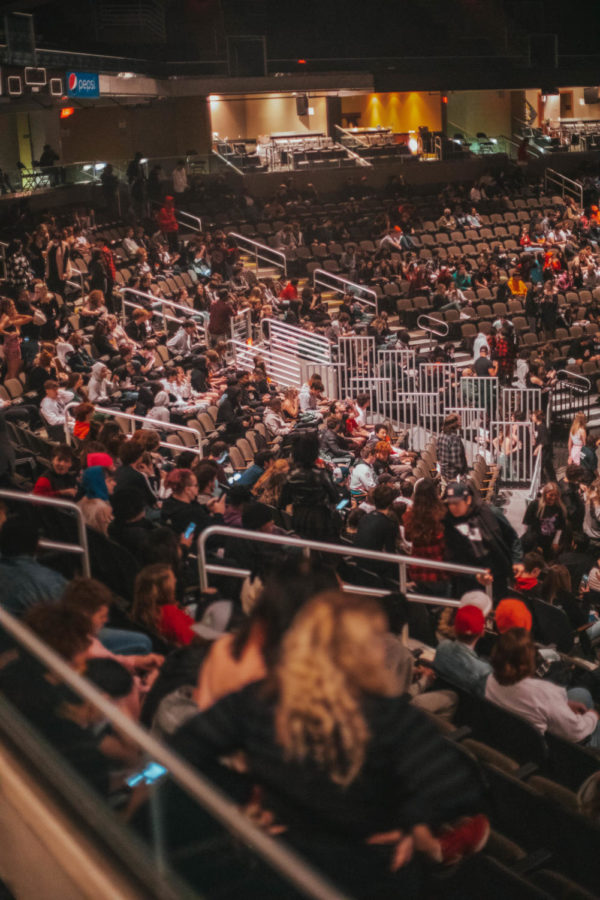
552, 626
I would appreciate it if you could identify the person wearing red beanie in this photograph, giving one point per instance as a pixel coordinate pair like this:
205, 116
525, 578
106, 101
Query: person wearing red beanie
457, 660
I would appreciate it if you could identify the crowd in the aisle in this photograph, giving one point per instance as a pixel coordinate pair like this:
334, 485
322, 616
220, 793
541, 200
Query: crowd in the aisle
121, 393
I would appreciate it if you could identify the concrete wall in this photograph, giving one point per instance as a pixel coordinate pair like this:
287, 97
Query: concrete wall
402, 111
170, 128
247, 118
473, 111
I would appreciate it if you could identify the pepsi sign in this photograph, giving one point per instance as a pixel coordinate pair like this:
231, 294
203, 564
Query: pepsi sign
83, 84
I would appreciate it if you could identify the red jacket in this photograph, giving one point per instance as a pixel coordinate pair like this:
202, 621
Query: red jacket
166, 217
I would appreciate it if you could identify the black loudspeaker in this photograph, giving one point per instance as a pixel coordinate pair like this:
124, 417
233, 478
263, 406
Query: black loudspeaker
302, 105
590, 95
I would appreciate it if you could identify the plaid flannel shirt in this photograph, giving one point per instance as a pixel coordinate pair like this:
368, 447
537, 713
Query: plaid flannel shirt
451, 455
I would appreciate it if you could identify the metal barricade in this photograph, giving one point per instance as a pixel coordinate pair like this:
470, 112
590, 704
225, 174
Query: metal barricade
81, 548
512, 451
283, 369
473, 430
304, 345
126, 418
519, 401
395, 384
476, 391
357, 360
241, 326
306, 546
260, 252
341, 285
441, 379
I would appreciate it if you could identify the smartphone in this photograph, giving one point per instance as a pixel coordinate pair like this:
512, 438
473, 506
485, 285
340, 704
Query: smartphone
234, 478
585, 579
189, 530
342, 504
149, 775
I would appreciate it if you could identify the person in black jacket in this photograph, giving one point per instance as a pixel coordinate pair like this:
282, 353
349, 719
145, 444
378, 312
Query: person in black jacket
343, 762
311, 492
477, 536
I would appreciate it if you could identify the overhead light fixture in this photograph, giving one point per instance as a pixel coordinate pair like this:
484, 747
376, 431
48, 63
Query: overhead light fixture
126, 75
67, 111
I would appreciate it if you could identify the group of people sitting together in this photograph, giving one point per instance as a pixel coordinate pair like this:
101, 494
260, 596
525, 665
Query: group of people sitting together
335, 705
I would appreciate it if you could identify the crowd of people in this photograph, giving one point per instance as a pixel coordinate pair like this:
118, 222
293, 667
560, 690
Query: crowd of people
327, 694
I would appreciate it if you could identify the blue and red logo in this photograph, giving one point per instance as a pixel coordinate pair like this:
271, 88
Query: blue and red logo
83, 84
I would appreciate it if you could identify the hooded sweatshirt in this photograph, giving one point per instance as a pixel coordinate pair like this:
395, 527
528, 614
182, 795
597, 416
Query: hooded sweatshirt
94, 484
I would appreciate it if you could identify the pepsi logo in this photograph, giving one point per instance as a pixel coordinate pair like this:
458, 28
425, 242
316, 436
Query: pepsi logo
72, 81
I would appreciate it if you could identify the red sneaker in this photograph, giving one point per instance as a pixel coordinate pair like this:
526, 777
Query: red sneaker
468, 837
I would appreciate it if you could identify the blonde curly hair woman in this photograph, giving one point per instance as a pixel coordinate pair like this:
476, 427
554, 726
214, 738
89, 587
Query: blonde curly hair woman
343, 761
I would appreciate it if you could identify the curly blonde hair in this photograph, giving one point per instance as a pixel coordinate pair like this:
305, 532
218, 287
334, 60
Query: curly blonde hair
329, 656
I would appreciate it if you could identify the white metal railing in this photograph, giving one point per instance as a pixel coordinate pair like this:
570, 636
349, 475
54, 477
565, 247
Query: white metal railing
402, 562
282, 368
260, 251
297, 342
227, 161
344, 286
512, 450
81, 548
566, 185
241, 326
196, 220
279, 857
536, 478
424, 322
189, 311
130, 417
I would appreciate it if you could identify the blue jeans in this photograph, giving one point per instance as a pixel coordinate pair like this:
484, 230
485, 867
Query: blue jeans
125, 643
582, 695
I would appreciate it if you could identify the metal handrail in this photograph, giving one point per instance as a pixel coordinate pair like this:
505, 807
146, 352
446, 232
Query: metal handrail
187, 215
564, 183
352, 286
338, 550
130, 417
429, 328
226, 161
570, 375
81, 548
255, 247
279, 857
159, 300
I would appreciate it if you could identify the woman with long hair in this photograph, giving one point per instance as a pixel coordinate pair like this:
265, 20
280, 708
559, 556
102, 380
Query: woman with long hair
269, 486
344, 761
577, 438
424, 529
547, 520
155, 607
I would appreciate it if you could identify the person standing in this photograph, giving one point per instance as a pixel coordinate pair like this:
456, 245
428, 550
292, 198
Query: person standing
450, 449
168, 223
